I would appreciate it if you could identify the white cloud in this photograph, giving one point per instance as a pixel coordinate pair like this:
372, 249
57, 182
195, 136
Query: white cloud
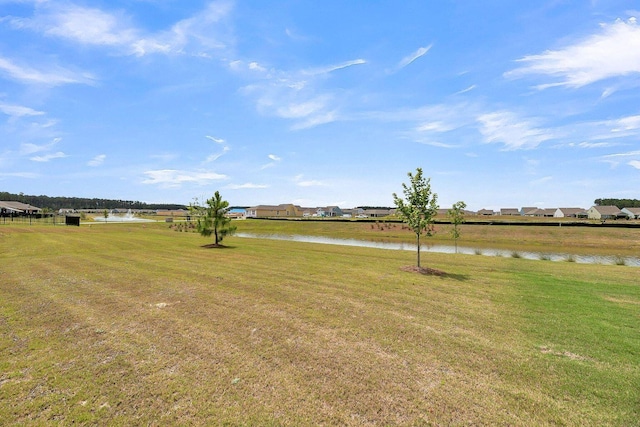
435, 126
624, 124
247, 185
415, 55
311, 183
298, 95
613, 52
48, 157
29, 148
214, 157
586, 144
87, 26
469, 89
514, 132
335, 67
615, 159
635, 164
316, 120
300, 182
93, 26
274, 157
303, 109
28, 175
54, 76
214, 139
175, 178
97, 160
19, 111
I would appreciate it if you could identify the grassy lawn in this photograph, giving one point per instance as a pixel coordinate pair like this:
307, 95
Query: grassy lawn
138, 324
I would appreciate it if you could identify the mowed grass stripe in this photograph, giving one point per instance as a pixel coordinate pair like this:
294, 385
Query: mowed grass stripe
127, 324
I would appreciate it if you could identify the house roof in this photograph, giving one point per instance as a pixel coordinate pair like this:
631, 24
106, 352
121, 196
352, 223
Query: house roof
509, 211
571, 211
607, 210
635, 211
17, 206
271, 207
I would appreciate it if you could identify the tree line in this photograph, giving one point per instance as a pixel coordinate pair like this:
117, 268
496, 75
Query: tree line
619, 203
56, 203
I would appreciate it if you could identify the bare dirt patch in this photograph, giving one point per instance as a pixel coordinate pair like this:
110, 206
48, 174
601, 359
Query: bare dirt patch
568, 354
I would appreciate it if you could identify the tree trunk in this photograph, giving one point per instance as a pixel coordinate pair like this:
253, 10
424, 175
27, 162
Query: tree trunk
418, 241
215, 232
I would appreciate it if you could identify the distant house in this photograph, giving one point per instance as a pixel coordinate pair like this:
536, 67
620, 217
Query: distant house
528, 211
631, 213
353, 212
570, 213
605, 212
286, 210
378, 213
486, 212
510, 211
546, 213
18, 208
333, 211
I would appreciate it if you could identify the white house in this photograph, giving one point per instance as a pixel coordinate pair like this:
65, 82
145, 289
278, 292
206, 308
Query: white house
569, 213
631, 213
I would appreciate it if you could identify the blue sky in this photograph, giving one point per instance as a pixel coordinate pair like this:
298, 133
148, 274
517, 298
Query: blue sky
502, 103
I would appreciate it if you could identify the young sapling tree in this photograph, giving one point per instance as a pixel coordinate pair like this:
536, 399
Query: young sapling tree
419, 207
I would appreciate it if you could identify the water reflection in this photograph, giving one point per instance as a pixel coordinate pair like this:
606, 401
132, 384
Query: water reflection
449, 249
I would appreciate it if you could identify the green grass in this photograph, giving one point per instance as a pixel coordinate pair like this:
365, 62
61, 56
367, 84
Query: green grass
138, 324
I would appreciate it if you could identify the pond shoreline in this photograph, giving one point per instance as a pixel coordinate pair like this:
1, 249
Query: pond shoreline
530, 255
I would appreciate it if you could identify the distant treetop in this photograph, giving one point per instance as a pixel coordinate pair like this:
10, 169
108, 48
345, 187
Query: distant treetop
619, 203
56, 203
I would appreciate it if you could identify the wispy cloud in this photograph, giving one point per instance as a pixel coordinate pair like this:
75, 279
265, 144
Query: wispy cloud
54, 76
335, 67
512, 131
216, 156
413, 56
612, 52
214, 139
299, 95
19, 111
48, 157
97, 27
97, 160
172, 178
28, 175
301, 182
246, 186
274, 160
631, 158
625, 124
30, 148
469, 89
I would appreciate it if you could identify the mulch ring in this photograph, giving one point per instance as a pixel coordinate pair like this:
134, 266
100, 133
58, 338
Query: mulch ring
423, 270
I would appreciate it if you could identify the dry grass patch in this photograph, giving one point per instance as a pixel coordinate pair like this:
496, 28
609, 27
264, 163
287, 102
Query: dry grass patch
124, 325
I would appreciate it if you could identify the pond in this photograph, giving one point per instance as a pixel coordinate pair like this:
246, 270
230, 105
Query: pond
450, 249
